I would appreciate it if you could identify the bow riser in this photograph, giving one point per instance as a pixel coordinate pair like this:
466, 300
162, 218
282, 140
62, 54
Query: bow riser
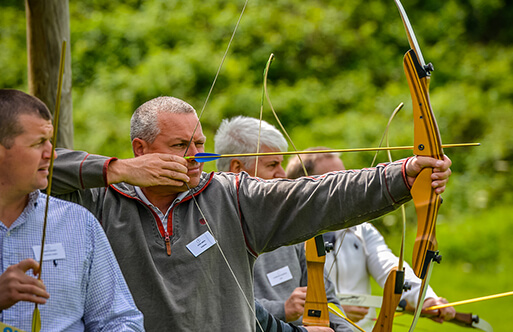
316, 311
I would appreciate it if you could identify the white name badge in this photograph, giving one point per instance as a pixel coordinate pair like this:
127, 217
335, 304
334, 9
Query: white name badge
52, 251
9, 328
201, 243
279, 276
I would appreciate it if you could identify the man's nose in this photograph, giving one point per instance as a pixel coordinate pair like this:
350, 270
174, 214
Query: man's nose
47, 153
193, 150
280, 173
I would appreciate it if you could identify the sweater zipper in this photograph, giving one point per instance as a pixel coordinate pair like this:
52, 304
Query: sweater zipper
168, 243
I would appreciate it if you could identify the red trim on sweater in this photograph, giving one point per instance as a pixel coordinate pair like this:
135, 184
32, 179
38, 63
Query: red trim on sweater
405, 162
80, 171
155, 215
105, 168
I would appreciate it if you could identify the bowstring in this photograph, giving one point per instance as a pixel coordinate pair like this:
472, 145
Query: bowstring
266, 92
383, 137
225, 259
250, 306
217, 75
389, 154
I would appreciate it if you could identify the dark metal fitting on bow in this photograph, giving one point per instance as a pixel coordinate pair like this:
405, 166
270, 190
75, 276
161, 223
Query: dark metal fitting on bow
399, 282
421, 147
314, 313
437, 258
430, 256
429, 67
328, 246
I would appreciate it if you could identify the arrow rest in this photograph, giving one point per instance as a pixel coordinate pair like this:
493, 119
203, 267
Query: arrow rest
430, 256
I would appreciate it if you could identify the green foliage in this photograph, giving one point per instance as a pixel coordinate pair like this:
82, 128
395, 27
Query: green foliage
336, 79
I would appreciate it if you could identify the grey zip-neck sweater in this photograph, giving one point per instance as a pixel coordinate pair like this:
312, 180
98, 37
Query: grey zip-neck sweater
177, 291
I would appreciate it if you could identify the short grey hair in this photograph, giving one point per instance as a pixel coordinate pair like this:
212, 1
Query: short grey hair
240, 135
144, 122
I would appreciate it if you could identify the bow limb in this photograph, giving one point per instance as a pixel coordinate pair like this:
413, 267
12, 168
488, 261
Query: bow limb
316, 311
36, 316
394, 284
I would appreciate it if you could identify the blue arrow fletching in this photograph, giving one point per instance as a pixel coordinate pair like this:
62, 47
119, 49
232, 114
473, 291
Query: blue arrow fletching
203, 157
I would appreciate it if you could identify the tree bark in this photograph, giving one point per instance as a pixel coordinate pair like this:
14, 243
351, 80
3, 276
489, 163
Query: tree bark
47, 27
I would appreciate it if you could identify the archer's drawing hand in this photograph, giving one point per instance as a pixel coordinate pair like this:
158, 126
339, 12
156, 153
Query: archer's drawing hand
441, 171
16, 286
295, 304
355, 313
153, 169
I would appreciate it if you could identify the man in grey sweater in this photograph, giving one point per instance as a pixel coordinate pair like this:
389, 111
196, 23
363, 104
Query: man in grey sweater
186, 240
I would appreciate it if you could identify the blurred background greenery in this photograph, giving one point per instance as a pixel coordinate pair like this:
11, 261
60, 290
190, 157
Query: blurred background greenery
336, 79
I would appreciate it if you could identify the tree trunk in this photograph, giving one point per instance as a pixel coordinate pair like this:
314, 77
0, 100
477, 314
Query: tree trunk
47, 27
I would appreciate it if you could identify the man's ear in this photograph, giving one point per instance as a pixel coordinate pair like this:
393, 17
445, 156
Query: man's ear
236, 166
139, 147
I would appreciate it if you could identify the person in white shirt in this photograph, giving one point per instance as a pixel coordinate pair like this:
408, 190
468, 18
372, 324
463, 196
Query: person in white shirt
360, 252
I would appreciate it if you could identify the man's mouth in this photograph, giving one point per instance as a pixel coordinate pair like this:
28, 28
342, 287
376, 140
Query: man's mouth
193, 170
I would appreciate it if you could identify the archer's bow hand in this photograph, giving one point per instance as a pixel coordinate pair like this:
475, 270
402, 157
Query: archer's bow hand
295, 304
443, 314
16, 285
152, 169
317, 329
441, 171
355, 313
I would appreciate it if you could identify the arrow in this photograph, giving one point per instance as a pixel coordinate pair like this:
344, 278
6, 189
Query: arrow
36, 315
206, 156
477, 299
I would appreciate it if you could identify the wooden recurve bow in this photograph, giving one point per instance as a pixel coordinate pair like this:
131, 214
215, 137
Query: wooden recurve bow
427, 142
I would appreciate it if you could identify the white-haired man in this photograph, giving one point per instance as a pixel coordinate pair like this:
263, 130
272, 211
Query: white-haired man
283, 297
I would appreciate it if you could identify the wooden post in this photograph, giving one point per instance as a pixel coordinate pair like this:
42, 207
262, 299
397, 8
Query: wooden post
47, 27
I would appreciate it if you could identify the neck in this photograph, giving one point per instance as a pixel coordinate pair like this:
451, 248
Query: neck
160, 197
11, 208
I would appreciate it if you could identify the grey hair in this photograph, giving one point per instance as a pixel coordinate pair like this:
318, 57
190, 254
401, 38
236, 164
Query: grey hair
295, 168
144, 122
240, 135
